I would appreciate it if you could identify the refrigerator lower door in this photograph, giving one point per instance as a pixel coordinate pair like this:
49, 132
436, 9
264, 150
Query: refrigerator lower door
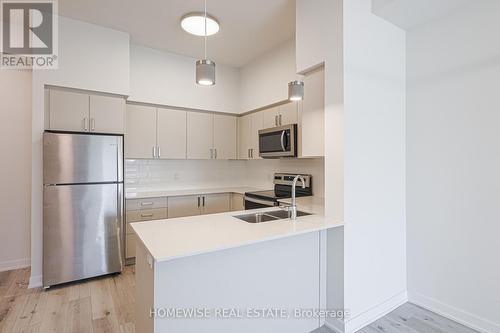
82, 227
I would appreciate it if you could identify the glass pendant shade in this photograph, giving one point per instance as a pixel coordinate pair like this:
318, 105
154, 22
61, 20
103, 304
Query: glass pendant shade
205, 72
296, 90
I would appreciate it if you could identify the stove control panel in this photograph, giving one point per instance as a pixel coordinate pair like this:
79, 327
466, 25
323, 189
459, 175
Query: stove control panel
287, 179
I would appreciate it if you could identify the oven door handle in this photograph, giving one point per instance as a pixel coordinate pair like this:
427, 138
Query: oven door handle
261, 202
283, 140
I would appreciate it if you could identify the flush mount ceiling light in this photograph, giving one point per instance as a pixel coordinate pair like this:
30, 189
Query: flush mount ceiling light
205, 69
296, 90
194, 23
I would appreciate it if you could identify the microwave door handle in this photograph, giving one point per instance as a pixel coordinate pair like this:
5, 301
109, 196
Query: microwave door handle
283, 140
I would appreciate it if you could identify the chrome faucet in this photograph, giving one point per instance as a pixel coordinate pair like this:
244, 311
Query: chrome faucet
293, 207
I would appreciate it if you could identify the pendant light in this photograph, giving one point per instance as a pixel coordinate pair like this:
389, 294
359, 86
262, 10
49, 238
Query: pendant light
296, 90
205, 69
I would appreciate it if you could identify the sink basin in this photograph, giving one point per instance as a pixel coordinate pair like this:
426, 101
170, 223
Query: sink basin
257, 218
284, 214
268, 216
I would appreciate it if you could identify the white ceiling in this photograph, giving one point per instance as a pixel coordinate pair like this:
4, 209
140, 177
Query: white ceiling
248, 28
408, 14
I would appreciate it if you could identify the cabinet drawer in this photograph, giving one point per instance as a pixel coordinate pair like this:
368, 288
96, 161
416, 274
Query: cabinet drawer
130, 246
149, 203
146, 215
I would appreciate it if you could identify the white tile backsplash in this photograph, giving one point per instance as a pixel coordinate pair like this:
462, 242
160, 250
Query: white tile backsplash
188, 174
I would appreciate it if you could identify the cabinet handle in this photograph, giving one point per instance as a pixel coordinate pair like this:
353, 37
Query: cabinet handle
147, 215
211, 153
92, 124
203, 201
276, 120
85, 128
248, 153
154, 151
198, 202
251, 152
280, 120
215, 153
158, 148
149, 203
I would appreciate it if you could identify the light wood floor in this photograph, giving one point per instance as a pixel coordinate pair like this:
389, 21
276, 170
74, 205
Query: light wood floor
107, 305
410, 318
97, 305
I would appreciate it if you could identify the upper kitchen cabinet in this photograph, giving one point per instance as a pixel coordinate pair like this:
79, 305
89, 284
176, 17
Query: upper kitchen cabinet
248, 135
224, 137
107, 114
81, 112
271, 117
281, 115
171, 133
244, 130
68, 111
200, 131
257, 123
140, 133
312, 115
288, 114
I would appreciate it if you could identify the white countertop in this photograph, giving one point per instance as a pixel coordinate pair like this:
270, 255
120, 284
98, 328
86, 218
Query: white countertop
183, 237
141, 193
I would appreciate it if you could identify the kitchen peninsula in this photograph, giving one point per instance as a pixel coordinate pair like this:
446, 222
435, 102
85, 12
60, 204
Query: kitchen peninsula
222, 272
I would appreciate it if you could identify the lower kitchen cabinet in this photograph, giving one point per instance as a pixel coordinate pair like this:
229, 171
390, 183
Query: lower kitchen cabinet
215, 203
176, 206
237, 202
198, 205
184, 206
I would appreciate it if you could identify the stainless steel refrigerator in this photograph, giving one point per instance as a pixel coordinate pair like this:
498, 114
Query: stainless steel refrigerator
82, 206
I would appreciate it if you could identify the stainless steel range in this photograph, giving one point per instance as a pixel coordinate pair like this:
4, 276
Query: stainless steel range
282, 190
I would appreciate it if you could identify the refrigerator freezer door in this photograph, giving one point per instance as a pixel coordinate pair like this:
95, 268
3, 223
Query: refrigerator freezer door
82, 227
81, 158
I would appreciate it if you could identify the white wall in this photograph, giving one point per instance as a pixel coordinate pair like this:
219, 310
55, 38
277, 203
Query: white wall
374, 181
92, 58
264, 81
453, 163
15, 168
168, 79
189, 174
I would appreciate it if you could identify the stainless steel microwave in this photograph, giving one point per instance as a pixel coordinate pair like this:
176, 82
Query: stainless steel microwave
278, 142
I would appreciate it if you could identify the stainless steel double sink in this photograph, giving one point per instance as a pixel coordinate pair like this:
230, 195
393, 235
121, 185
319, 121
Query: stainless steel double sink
268, 216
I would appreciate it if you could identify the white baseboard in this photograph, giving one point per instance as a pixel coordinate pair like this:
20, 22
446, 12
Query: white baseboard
35, 281
460, 316
14, 264
356, 323
335, 325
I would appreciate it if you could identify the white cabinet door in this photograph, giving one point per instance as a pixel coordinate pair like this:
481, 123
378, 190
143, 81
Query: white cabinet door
312, 116
215, 203
244, 134
224, 137
257, 125
270, 117
237, 202
107, 114
68, 111
171, 127
140, 133
184, 206
199, 135
288, 114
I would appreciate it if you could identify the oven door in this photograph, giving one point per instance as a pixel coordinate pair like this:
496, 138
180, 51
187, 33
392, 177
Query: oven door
278, 142
254, 203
